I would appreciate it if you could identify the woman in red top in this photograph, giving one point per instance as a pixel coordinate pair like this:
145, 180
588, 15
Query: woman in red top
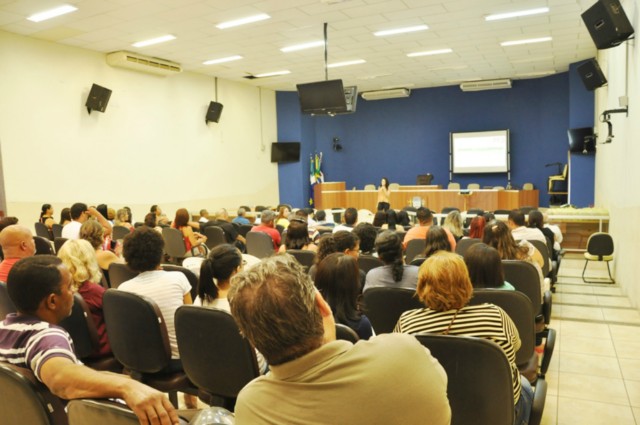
191, 238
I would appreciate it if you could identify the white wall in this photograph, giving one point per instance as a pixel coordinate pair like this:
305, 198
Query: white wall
617, 164
151, 146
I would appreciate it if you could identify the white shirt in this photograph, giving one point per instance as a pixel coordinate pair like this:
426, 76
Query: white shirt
340, 227
71, 230
528, 233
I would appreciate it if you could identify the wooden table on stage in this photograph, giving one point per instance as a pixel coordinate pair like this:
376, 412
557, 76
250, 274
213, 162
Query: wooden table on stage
334, 195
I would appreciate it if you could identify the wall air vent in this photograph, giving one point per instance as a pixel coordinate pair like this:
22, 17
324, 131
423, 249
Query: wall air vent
504, 83
141, 63
386, 94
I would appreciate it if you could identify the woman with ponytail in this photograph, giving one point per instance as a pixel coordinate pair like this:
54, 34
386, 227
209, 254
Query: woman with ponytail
394, 273
216, 271
46, 216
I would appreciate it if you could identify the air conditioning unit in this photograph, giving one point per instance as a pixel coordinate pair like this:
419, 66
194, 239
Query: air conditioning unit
141, 63
504, 83
351, 97
386, 94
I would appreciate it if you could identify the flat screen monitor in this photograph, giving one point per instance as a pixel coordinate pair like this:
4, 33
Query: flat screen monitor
480, 152
322, 97
285, 152
582, 140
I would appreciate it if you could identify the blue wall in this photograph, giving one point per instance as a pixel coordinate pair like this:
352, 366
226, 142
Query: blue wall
401, 138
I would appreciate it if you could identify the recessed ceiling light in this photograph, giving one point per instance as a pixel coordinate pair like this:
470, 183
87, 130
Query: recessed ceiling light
243, 21
156, 40
508, 15
52, 13
401, 30
527, 41
429, 53
273, 74
302, 46
222, 60
346, 63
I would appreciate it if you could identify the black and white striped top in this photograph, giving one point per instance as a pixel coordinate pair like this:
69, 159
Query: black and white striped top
481, 321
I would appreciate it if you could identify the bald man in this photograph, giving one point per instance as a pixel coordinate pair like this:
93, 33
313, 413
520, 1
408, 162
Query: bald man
16, 242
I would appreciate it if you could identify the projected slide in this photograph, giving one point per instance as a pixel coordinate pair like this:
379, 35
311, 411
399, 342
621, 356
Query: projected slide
480, 152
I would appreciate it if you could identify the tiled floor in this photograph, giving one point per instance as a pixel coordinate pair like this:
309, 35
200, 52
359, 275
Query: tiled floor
594, 375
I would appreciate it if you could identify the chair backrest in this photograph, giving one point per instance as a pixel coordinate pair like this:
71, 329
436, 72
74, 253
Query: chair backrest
527, 186
6, 305
43, 246
244, 229
527, 209
190, 275
119, 232
471, 213
543, 249
137, 331
369, 187
502, 212
415, 247
600, 244
465, 243
394, 186
498, 187
43, 231
56, 229
27, 401
384, 306
82, 328
215, 236
453, 186
215, 357
303, 256
259, 244
173, 242
368, 262
344, 332
524, 277
473, 186
519, 308
480, 387
120, 273
58, 242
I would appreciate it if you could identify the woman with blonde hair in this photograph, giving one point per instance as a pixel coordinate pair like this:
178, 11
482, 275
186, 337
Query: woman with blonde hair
122, 219
93, 232
80, 258
453, 222
445, 289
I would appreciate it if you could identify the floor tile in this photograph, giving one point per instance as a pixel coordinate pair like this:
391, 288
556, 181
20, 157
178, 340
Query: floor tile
552, 383
608, 290
636, 413
624, 332
633, 389
576, 299
595, 330
582, 313
550, 413
594, 388
589, 364
627, 349
630, 368
621, 315
587, 345
605, 301
574, 289
575, 411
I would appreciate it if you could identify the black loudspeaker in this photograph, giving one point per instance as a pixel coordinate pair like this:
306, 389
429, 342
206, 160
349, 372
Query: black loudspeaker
98, 98
214, 112
591, 75
607, 23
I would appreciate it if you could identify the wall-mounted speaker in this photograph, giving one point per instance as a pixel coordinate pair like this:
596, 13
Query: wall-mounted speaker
98, 98
607, 23
214, 112
591, 74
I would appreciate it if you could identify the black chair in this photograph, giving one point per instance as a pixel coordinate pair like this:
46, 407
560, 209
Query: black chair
215, 236
43, 231
120, 273
417, 261
464, 244
190, 275
119, 232
102, 412
43, 246
501, 212
303, 256
139, 340
344, 332
25, 400
526, 209
81, 327
471, 213
368, 262
599, 248
480, 386
259, 244
384, 306
415, 247
543, 249
260, 208
6, 305
58, 242
56, 229
244, 229
215, 357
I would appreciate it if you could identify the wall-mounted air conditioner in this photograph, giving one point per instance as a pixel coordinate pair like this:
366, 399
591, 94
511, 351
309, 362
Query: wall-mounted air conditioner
386, 94
504, 83
150, 65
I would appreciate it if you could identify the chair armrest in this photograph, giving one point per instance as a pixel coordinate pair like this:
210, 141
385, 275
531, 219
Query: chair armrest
539, 398
546, 307
549, 345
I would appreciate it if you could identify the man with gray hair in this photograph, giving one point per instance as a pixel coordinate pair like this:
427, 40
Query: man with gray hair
267, 225
240, 218
316, 379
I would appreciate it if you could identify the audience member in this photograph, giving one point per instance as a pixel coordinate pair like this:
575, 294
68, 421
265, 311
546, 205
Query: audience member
344, 242
485, 267
350, 218
338, 280
150, 221
453, 223
161, 219
425, 220
7, 221
476, 227
519, 231
46, 216
536, 221
367, 234
93, 232
204, 216
379, 219
297, 237
282, 219
557, 240
221, 219
65, 216
436, 240
104, 210
111, 215
394, 273
79, 214
321, 219
191, 239
241, 217
445, 289
80, 258
17, 243
122, 219
369, 382
267, 226
129, 214
41, 289
392, 222
403, 218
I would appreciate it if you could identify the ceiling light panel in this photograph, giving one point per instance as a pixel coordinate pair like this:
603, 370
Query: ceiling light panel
526, 41
243, 21
429, 53
403, 30
157, 40
222, 60
302, 46
346, 63
273, 74
52, 13
517, 14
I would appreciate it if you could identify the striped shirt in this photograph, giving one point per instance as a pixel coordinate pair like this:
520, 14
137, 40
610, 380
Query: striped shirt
29, 342
481, 321
167, 290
